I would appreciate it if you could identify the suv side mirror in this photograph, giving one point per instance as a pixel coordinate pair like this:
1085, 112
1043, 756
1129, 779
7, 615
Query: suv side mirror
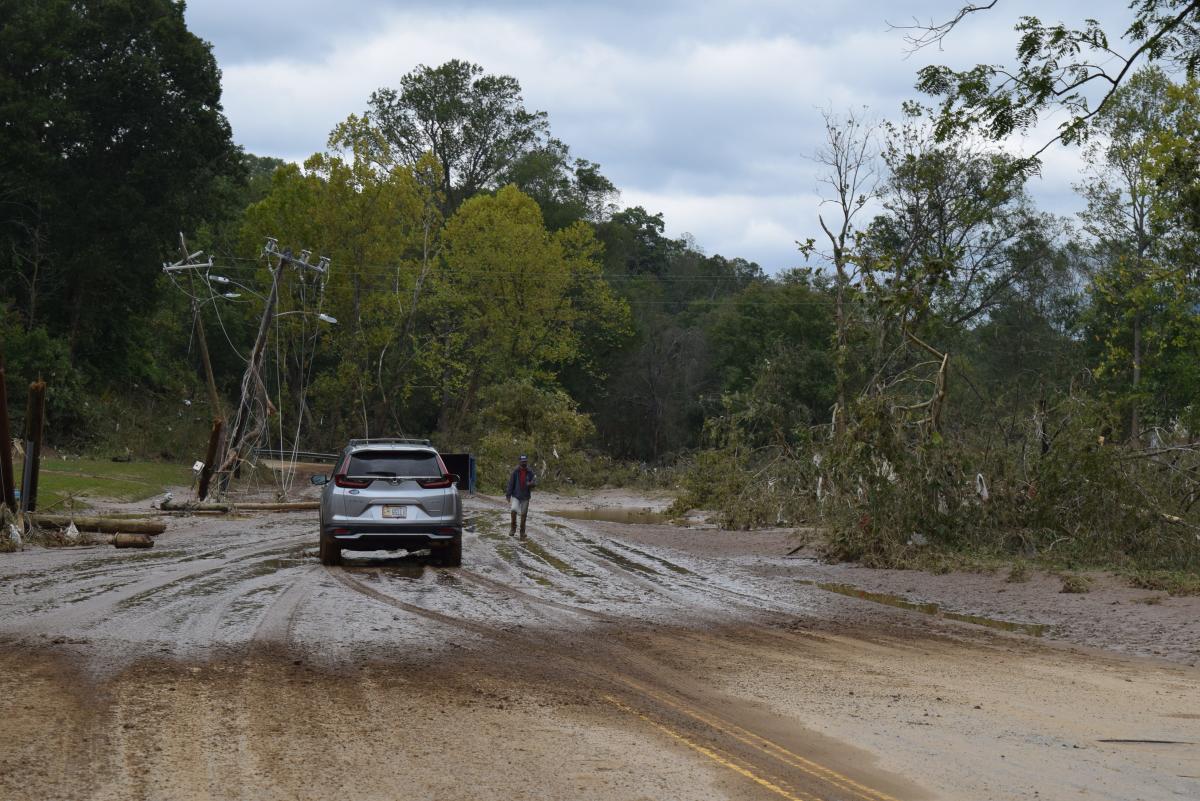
319, 480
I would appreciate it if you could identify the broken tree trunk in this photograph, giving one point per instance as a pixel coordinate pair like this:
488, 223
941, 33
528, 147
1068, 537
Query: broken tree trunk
102, 525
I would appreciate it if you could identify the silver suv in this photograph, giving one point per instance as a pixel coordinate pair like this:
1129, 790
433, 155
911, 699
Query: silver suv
388, 494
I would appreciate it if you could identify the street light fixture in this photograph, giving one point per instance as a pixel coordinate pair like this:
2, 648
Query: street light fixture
325, 318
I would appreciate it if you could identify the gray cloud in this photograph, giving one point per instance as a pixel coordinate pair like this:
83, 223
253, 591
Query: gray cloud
706, 111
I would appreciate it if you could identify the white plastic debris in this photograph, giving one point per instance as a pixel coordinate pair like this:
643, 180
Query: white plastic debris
981, 487
71, 534
918, 538
14, 536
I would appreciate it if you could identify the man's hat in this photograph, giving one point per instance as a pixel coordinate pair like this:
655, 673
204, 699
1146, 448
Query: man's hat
523, 458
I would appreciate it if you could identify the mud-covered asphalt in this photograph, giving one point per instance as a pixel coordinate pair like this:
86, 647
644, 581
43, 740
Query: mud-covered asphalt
226, 663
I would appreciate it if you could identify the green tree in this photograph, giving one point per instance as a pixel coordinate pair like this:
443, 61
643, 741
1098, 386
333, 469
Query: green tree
512, 299
380, 229
1058, 68
567, 190
771, 351
1141, 211
475, 125
113, 140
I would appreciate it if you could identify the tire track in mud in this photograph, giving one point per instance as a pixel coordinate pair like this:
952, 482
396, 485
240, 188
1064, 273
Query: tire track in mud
629, 568
363, 589
651, 693
517, 593
115, 603
275, 626
773, 622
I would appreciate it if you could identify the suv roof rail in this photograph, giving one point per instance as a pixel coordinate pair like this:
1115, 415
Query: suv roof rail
389, 441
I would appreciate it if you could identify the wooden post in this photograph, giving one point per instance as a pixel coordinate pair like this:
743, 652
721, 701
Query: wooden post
210, 458
8, 495
214, 400
35, 421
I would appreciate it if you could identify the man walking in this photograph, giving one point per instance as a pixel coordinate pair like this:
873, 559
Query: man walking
520, 489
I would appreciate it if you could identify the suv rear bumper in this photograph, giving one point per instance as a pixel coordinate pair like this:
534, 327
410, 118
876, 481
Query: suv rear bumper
387, 538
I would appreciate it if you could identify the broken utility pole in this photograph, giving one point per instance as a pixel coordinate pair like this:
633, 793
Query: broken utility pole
230, 445
255, 406
210, 457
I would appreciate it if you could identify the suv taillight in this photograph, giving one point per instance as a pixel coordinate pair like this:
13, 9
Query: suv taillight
436, 483
350, 483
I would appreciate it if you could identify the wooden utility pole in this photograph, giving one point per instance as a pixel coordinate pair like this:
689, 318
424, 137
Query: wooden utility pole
216, 439
35, 420
8, 495
253, 387
210, 457
214, 399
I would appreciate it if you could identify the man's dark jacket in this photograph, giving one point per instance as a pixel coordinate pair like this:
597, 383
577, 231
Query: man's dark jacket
515, 490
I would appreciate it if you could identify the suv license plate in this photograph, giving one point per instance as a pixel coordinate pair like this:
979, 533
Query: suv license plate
395, 511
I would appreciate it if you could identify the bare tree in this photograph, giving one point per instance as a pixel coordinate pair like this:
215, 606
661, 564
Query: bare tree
849, 180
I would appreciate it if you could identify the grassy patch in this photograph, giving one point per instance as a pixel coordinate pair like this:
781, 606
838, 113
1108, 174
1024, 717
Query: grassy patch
1018, 573
73, 483
1074, 583
1173, 582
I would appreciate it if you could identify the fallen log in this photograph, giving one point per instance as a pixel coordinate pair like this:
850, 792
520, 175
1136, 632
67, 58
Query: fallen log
228, 508
102, 525
293, 506
176, 506
132, 541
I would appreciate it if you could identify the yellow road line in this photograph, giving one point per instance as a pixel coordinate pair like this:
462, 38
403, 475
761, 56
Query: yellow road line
715, 757
767, 746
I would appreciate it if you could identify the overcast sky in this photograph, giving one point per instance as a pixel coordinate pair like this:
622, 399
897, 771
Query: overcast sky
706, 111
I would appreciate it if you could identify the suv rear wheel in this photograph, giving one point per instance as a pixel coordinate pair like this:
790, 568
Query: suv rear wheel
451, 556
329, 551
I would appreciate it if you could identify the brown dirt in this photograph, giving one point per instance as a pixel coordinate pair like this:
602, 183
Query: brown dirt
598, 660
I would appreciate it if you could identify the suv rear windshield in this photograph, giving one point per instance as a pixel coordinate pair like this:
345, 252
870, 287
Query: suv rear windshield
410, 464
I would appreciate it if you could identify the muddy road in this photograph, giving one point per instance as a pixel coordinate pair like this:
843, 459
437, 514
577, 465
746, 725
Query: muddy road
593, 660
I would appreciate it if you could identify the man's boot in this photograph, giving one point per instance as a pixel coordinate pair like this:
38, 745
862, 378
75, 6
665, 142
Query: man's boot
512, 529
522, 526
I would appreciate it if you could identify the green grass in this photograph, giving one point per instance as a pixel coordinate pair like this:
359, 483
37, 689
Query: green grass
74, 483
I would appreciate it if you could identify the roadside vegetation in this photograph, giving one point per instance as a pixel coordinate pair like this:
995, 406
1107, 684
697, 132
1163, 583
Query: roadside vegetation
77, 483
949, 376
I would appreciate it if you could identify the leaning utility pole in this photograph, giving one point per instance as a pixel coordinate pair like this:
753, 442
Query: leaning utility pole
253, 387
248, 425
191, 265
230, 447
